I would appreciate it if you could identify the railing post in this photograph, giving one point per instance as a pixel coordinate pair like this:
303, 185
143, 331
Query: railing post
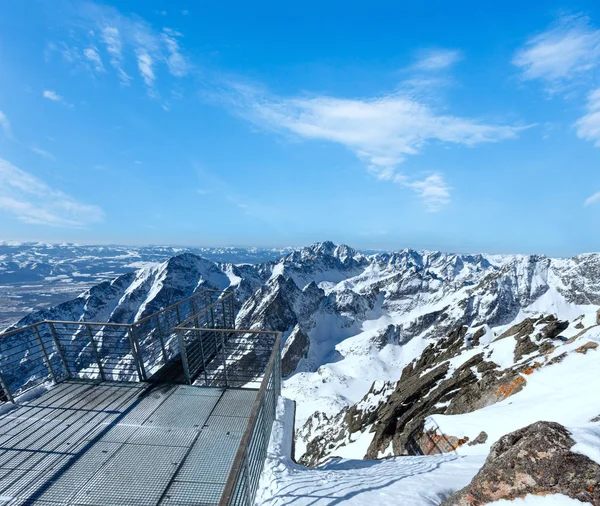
46, 358
203, 359
61, 352
224, 314
232, 304
224, 357
184, 359
95, 350
247, 480
135, 352
195, 314
212, 316
161, 338
278, 364
178, 315
6, 389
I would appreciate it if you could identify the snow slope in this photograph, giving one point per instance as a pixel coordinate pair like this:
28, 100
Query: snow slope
409, 481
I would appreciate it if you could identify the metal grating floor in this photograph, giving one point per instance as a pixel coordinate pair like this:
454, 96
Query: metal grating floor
121, 444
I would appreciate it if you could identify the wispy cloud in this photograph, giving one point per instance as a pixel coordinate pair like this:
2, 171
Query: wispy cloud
433, 190
42, 152
55, 97
177, 64
436, 59
588, 126
5, 125
562, 54
594, 199
101, 33
381, 131
32, 201
112, 39
92, 54
52, 95
144, 61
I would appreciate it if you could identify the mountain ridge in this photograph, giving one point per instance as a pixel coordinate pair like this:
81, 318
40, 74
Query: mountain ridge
353, 324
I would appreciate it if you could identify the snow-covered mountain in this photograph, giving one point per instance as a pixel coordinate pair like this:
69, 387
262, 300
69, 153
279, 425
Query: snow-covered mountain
40, 275
399, 353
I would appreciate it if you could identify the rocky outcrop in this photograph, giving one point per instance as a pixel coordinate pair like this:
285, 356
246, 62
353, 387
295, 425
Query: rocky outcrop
536, 460
397, 414
534, 335
296, 348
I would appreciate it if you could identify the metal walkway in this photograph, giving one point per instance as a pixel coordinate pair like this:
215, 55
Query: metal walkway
92, 443
117, 427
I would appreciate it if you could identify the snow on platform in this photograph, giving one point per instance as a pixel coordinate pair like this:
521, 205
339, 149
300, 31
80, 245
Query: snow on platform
121, 444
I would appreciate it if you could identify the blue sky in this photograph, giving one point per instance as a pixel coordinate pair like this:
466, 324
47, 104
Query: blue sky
456, 127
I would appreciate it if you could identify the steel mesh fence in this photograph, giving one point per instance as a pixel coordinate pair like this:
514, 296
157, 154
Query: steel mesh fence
243, 480
52, 351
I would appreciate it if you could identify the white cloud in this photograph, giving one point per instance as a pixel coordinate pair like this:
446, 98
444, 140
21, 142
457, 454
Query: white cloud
433, 190
55, 97
594, 199
33, 201
42, 152
561, 54
52, 95
175, 61
588, 126
144, 61
101, 33
91, 53
437, 59
5, 125
381, 131
112, 39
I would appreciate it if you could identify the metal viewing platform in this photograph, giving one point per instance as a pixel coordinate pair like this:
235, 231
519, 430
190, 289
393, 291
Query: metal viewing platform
174, 409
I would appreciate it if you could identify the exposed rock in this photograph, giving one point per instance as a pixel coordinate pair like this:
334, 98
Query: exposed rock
598, 317
524, 346
525, 328
432, 443
557, 359
480, 439
295, 349
553, 329
477, 336
534, 460
324, 443
590, 345
580, 326
364, 413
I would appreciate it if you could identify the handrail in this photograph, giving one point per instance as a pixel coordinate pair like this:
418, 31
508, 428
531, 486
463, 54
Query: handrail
240, 456
164, 309
204, 309
110, 324
148, 343
237, 331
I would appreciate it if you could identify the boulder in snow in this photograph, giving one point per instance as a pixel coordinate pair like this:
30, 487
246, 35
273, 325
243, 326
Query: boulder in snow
535, 460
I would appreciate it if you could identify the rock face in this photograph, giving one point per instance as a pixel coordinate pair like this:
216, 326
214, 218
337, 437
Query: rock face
453, 375
537, 460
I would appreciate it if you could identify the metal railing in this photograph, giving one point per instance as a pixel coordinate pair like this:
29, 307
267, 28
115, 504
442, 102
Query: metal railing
56, 350
221, 357
242, 482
